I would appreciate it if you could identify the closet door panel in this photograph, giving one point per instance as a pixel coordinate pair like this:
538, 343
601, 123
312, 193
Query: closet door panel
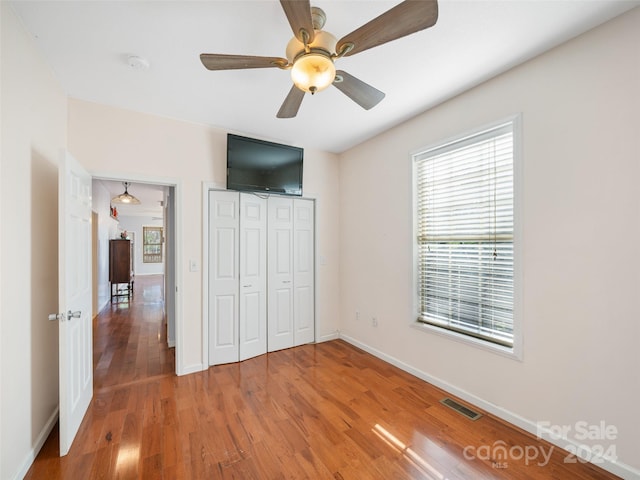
280, 268
282, 251
252, 331
223, 277
304, 271
282, 322
225, 311
253, 276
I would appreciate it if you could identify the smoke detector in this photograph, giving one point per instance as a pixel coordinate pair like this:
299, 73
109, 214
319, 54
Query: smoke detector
137, 63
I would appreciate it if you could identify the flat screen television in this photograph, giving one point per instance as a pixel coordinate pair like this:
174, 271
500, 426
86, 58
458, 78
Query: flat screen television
260, 166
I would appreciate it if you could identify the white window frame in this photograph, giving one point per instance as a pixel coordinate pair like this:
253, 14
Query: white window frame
146, 256
514, 351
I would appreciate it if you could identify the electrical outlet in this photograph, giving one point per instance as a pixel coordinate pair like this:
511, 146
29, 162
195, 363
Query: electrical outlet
374, 321
357, 315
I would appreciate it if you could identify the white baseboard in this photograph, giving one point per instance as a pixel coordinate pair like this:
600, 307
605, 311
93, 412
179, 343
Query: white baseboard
104, 304
617, 468
194, 368
330, 336
33, 453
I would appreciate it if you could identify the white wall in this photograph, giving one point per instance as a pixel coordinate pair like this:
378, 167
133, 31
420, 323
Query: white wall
34, 129
581, 128
134, 224
106, 139
107, 229
581, 154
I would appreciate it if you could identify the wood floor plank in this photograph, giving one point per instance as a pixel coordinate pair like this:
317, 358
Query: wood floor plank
325, 411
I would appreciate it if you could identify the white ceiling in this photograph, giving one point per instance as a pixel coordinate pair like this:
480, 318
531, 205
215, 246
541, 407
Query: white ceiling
87, 44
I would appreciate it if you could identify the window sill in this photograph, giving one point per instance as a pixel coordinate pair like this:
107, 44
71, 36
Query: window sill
514, 352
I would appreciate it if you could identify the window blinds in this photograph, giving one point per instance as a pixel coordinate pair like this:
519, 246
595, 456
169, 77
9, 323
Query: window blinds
465, 235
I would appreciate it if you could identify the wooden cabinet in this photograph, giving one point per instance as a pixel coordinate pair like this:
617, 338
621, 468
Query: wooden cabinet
120, 268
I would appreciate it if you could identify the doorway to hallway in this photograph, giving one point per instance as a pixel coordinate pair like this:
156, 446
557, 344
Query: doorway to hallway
130, 337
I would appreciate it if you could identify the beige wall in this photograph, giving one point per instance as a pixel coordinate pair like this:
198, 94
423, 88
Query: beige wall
106, 139
34, 129
107, 229
581, 219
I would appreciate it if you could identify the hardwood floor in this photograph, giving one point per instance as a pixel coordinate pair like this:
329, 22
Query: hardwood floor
326, 411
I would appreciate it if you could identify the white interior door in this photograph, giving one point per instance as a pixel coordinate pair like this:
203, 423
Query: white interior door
253, 276
74, 267
280, 266
224, 228
303, 274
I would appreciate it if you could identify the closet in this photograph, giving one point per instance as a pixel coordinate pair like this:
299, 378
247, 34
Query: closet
261, 274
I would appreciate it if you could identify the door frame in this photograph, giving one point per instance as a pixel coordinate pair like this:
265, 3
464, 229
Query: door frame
177, 236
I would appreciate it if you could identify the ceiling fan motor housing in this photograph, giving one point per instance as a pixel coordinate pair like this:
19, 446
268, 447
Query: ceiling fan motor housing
318, 18
323, 42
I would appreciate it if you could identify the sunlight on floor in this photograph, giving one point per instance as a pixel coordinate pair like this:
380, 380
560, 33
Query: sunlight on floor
128, 457
121, 304
419, 462
152, 293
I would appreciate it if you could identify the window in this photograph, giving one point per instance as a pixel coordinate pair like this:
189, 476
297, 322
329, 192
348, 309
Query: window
464, 201
152, 244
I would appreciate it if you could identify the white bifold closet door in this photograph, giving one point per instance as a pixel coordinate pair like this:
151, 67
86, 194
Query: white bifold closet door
280, 254
237, 276
253, 276
291, 300
224, 275
261, 275
303, 272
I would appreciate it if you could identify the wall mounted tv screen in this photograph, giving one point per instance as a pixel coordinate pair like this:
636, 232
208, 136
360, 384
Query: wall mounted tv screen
259, 166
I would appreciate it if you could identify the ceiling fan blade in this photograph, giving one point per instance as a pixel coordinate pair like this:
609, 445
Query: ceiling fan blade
291, 104
362, 93
298, 13
404, 19
214, 61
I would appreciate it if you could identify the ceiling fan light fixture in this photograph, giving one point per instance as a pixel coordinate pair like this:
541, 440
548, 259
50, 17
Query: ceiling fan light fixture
311, 52
313, 72
125, 198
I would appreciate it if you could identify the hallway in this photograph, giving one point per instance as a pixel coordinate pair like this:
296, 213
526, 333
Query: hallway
130, 337
131, 360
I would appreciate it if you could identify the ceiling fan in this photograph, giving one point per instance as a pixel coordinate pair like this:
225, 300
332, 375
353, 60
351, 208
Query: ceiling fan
312, 51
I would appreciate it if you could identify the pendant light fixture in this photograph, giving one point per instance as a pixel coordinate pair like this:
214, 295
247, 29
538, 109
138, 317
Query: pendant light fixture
126, 198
